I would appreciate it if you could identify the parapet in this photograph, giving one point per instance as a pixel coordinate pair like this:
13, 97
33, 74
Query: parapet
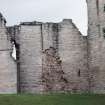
39, 23
67, 20
31, 23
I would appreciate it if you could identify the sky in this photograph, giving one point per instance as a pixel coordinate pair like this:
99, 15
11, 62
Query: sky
16, 11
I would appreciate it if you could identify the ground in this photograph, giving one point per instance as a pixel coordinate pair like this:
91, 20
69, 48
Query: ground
52, 99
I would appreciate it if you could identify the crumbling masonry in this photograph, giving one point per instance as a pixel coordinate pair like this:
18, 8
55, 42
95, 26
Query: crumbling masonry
54, 57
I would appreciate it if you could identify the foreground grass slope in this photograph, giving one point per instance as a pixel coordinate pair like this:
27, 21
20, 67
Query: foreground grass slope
52, 99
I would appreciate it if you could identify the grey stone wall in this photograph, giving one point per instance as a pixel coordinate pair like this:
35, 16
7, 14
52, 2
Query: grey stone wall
54, 56
96, 44
35, 38
8, 71
73, 53
30, 59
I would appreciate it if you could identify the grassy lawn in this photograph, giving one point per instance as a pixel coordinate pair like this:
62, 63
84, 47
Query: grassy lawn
52, 99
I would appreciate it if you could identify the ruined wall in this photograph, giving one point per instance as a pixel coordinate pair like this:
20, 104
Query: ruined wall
50, 35
8, 71
54, 57
33, 38
53, 77
96, 44
50, 57
71, 49
73, 54
30, 58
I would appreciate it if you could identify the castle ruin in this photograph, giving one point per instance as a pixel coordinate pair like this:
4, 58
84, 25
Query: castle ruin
54, 57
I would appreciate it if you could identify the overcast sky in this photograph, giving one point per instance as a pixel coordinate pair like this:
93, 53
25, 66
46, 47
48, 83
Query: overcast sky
16, 11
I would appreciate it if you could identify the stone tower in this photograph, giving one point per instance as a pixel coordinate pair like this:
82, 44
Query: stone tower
8, 74
96, 44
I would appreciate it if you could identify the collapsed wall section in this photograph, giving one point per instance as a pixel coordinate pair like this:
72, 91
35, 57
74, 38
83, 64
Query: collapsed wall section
63, 42
53, 77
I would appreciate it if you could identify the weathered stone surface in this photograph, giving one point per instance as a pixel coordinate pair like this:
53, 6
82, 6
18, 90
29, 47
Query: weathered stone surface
96, 44
54, 57
73, 53
30, 59
8, 71
35, 40
53, 77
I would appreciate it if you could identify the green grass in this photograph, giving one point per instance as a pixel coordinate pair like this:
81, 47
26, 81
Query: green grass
52, 99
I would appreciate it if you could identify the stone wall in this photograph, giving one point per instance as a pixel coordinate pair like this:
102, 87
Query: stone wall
34, 63
73, 53
30, 59
8, 71
96, 44
54, 56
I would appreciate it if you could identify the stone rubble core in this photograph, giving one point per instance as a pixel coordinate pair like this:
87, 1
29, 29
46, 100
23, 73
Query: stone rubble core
54, 57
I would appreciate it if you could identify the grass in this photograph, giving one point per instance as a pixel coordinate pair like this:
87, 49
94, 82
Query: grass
53, 99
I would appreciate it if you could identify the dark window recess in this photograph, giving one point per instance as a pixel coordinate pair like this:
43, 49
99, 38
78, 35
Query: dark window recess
79, 73
104, 32
104, 7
